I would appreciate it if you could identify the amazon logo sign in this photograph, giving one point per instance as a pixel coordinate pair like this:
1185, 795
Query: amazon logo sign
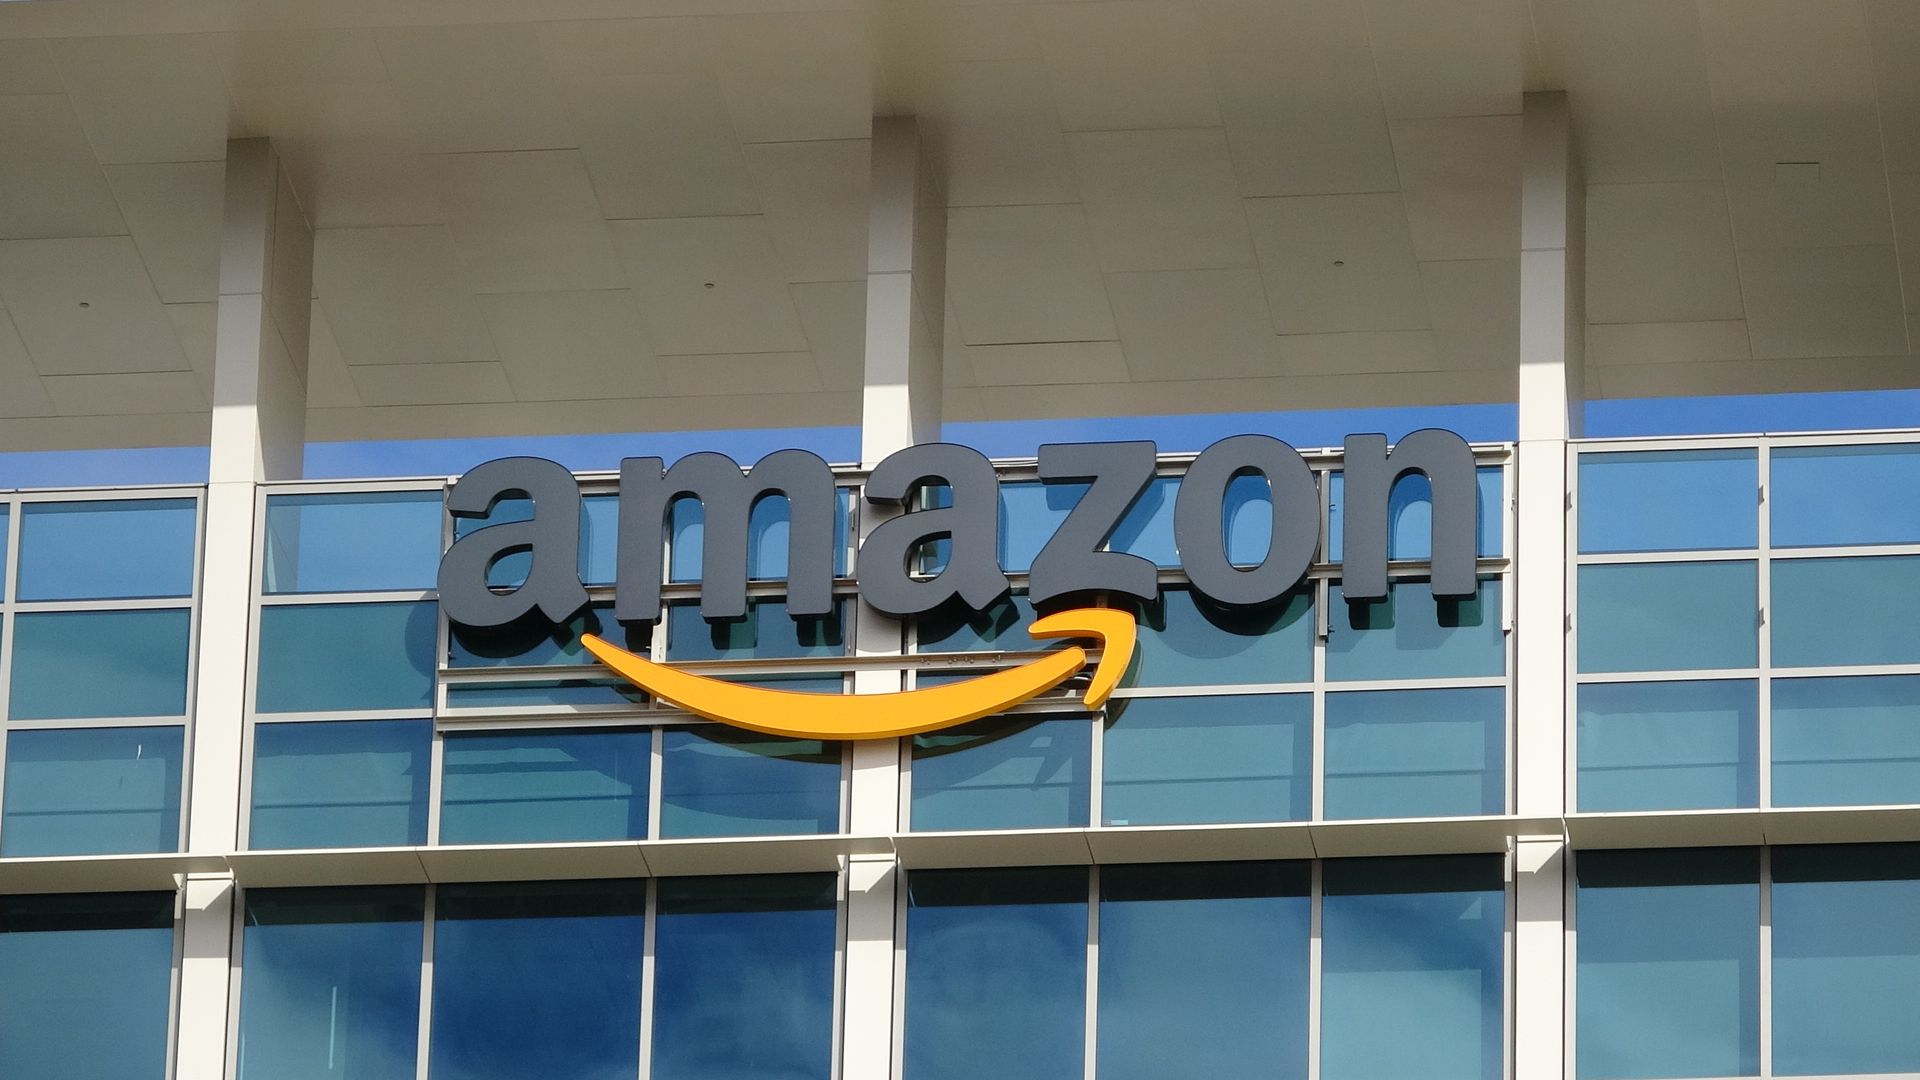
893, 574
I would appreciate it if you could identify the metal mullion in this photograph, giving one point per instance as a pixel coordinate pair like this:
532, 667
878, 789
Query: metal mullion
1845, 551
1631, 443
843, 901
1455, 682
1830, 671
136, 603
1569, 956
1316, 890
649, 970
1317, 752
436, 767
656, 766
344, 714
1634, 558
1679, 675
901, 901
429, 915
1569, 630
1868, 437
9, 586
190, 711
350, 487
1763, 630
385, 596
237, 967
1509, 960
176, 978
1091, 1034
470, 719
250, 677
107, 494
70, 723
1216, 690
1766, 962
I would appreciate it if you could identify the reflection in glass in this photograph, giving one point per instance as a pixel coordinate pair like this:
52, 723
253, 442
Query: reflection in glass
1668, 616
1410, 516
338, 657
599, 535
1669, 745
87, 982
1187, 640
766, 633
340, 783
83, 664
1415, 753
1846, 611
536, 643
1668, 972
1411, 635
1840, 495
331, 983
1198, 760
361, 541
721, 781
1001, 627
536, 694
1003, 772
545, 786
88, 550
1669, 500
769, 525
1844, 741
92, 791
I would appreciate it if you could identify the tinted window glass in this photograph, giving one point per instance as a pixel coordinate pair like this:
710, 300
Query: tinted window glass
1415, 753
536, 643
86, 986
1410, 635
1187, 640
1001, 627
1668, 616
1846, 741
1666, 500
1169, 761
721, 781
524, 695
1834, 495
92, 791
74, 664
1846, 611
769, 532
107, 549
1410, 516
599, 534
337, 657
358, 542
1024, 772
353, 783
1669, 745
766, 633
539, 786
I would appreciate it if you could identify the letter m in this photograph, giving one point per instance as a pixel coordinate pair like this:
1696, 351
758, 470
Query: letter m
1446, 461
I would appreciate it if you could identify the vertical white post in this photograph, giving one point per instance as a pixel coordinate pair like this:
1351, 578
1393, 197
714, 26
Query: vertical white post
259, 424
1552, 329
906, 271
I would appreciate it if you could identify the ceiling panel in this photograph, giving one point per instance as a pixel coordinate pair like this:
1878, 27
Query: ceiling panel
129, 394
21, 391
85, 306
1308, 121
1660, 253
1475, 305
395, 296
296, 56
153, 98
472, 88
999, 134
50, 184
709, 285
1461, 180
1177, 324
195, 326
1018, 274
943, 32
350, 150
1357, 353
1338, 263
834, 316
1128, 64
1668, 342
1161, 200
1047, 363
1461, 58
795, 77
560, 346
525, 222
174, 212
1893, 27
1757, 377
1762, 52
26, 67
1820, 302
720, 374
1906, 213
329, 383
1806, 175
431, 384
815, 198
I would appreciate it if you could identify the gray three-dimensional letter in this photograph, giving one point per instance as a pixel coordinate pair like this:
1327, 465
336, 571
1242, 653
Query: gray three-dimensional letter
552, 535
1072, 561
1446, 461
972, 523
1199, 523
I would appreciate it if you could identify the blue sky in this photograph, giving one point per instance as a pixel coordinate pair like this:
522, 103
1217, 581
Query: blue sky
1309, 429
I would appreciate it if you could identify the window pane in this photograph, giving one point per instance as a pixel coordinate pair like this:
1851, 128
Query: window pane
996, 974
1668, 972
769, 528
599, 534
1411, 968
1846, 741
1669, 745
744, 978
1004, 772
351, 783
358, 542
92, 791
1416, 753
1834, 495
1187, 640
1410, 635
537, 979
767, 633
1668, 616
721, 781
540, 786
1002, 627
1410, 516
1846, 959
535, 643
1203, 972
5, 522
531, 695
1668, 500
339, 657
331, 987
1176, 761
107, 550
87, 984
76, 664
1846, 611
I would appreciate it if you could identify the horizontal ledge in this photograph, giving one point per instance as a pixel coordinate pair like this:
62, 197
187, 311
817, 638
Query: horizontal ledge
104, 873
1730, 828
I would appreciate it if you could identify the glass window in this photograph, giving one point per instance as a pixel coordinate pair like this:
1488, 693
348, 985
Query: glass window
1416, 753
560, 692
767, 633
1846, 959
1670, 500
599, 539
1846, 611
1411, 635
996, 974
353, 542
80, 664
331, 983
1411, 968
340, 783
1188, 640
107, 549
1838, 495
1197, 760
743, 976
1846, 741
720, 781
1203, 971
1031, 512
544, 786
1003, 772
1147, 528
536, 979
1410, 516
92, 791
1669, 745
535, 643
5, 521
1668, 967
338, 657
1001, 627
769, 526
87, 984
1668, 616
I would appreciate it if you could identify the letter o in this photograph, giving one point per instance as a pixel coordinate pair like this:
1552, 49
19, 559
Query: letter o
1199, 527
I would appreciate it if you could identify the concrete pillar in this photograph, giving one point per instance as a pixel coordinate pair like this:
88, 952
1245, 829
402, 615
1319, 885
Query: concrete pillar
259, 425
906, 272
1552, 332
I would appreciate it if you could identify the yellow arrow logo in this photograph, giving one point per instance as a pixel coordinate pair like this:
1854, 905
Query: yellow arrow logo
886, 716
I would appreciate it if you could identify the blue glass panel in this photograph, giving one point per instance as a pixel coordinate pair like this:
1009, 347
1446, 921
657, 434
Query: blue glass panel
1411, 968
331, 986
766, 633
1416, 753
340, 657
74, 664
87, 983
599, 539
1203, 972
354, 542
92, 791
107, 550
1001, 627
5, 522
545, 786
1410, 635
341, 783
1668, 616
1669, 964
1410, 516
1669, 500
1846, 611
721, 781
744, 978
533, 695
1026, 772
996, 974
537, 980
1846, 741
1669, 745
1846, 959
536, 643
1147, 528
1836, 495
1029, 515
1187, 640
1170, 761
769, 526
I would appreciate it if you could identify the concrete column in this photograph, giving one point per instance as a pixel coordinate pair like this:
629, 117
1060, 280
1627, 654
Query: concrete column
1552, 333
906, 272
259, 425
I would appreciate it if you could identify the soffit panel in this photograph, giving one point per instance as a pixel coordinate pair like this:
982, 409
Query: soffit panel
85, 306
396, 296
525, 221
709, 285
